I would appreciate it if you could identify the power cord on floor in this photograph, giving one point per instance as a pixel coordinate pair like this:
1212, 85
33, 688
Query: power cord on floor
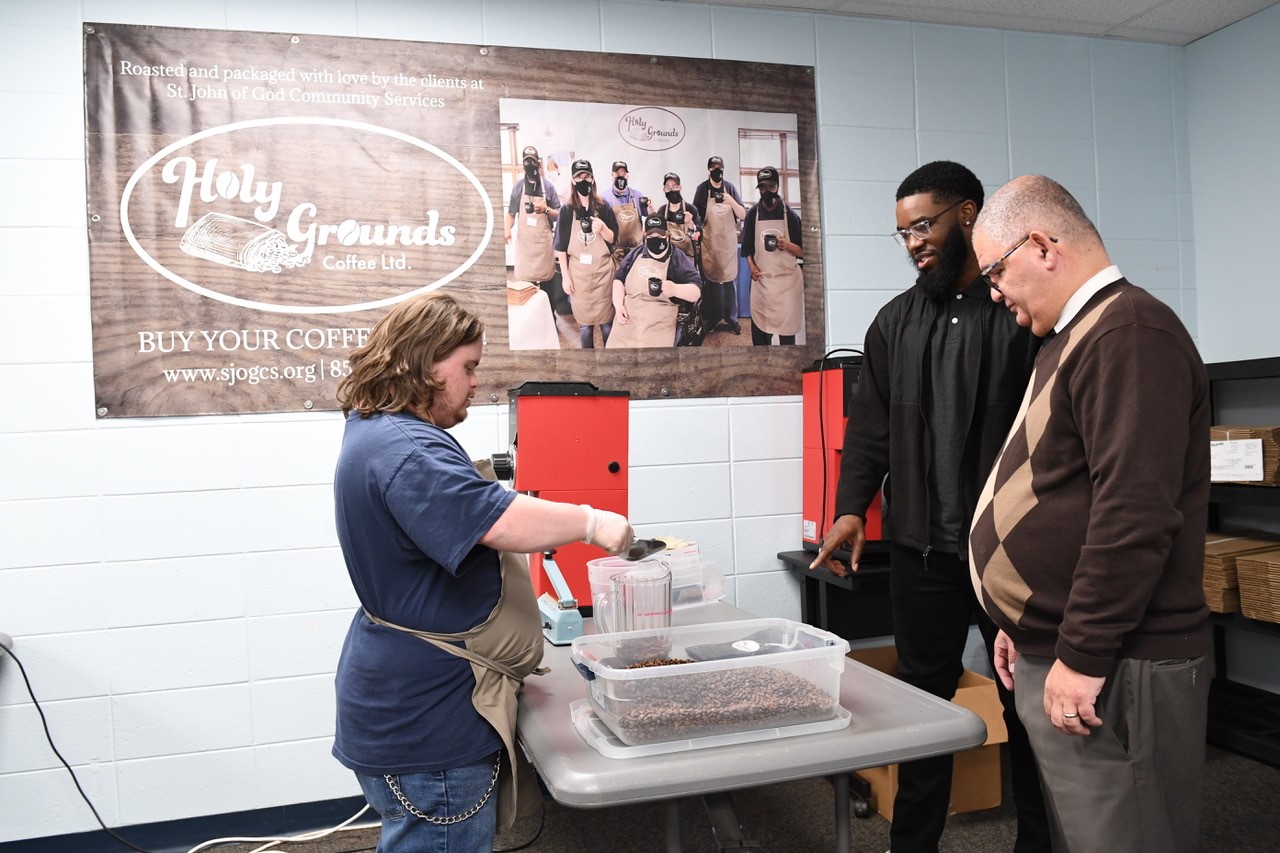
542, 820
272, 841
45, 723
311, 836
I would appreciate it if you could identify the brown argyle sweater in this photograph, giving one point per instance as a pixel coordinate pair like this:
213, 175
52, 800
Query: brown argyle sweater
1088, 539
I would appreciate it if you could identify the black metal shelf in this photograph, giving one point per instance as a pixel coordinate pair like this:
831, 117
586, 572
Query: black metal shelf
1244, 623
855, 606
1243, 719
1253, 368
1241, 495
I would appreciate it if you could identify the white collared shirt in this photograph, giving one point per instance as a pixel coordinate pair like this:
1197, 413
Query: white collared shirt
1078, 299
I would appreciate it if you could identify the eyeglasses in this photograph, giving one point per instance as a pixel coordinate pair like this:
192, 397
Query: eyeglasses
985, 272
922, 228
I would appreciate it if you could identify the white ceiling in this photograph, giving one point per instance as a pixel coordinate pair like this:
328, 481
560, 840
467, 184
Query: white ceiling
1177, 22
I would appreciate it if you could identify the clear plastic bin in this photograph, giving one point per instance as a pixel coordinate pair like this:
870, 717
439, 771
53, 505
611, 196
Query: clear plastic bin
741, 676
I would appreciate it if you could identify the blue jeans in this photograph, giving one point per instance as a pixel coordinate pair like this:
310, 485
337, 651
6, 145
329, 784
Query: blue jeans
439, 794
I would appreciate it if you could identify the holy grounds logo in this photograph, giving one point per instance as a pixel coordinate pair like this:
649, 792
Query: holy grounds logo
274, 214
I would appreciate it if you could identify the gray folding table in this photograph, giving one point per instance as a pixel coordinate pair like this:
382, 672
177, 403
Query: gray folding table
891, 722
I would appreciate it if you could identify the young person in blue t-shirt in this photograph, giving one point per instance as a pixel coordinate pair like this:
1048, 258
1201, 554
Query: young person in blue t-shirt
435, 552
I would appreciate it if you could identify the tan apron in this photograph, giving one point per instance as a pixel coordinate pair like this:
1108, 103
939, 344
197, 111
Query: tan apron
591, 266
630, 230
652, 319
678, 234
719, 242
503, 650
535, 257
777, 298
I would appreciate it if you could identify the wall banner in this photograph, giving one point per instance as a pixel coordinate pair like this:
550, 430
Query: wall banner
258, 200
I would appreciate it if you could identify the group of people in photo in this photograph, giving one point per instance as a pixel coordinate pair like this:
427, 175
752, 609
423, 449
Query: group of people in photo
633, 271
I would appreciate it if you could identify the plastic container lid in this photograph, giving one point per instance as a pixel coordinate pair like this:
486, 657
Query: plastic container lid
694, 581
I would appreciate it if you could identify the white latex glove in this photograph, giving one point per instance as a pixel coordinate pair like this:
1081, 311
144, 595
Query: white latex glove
608, 530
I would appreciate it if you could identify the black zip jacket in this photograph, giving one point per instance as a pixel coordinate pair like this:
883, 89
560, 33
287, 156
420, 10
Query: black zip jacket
888, 433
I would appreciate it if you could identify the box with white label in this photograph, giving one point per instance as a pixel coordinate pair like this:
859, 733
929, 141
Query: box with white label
1245, 454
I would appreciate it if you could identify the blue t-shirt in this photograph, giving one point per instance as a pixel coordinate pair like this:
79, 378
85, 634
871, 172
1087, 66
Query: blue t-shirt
410, 509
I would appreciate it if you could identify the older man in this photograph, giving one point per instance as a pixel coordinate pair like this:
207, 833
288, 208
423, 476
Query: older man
1087, 547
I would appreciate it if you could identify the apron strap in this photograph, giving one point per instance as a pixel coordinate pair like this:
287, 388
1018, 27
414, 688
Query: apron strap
446, 643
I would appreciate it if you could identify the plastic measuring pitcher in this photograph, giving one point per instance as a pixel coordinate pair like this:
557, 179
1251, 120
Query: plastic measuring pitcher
638, 599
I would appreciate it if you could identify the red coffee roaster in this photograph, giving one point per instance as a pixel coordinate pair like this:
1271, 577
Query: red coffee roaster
826, 389
569, 444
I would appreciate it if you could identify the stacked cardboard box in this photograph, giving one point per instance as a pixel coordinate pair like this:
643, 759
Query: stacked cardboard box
1270, 438
1259, 575
1221, 553
975, 779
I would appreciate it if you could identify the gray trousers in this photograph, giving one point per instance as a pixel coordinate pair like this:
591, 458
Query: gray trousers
1136, 783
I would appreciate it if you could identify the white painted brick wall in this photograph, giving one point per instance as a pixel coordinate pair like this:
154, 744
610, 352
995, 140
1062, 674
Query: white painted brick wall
174, 586
175, 722
286, 709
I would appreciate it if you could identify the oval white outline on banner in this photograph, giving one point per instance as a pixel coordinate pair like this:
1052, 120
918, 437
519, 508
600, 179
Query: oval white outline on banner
302, 309
638, 144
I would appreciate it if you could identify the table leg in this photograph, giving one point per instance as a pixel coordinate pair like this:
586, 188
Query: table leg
844, 832
673, 826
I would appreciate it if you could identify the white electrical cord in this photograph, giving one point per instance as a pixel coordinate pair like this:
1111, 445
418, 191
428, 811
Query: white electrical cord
307, 836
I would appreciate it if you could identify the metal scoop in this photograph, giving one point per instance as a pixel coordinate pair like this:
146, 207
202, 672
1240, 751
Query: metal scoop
641, 548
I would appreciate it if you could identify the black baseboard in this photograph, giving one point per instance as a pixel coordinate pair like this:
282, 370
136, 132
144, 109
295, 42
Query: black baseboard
179, 836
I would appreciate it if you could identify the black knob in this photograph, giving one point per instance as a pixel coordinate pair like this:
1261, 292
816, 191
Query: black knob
614, 467
504, 467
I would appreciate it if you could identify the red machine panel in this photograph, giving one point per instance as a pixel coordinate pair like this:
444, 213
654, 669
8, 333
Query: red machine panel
571, 443
825, 389
572, 559
824, 420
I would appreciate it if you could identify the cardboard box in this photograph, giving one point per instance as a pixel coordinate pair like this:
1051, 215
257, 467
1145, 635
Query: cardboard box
1222, 551
1225, 458
975, 777
1260, 585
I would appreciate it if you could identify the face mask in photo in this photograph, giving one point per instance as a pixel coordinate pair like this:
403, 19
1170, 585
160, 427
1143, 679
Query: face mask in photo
673, 196
769, 198
620, 182
583, 187
531, 170
717, 175
657, 246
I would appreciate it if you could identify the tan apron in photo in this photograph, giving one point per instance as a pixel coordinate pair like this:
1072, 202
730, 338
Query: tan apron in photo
630, 229
652, 319
678, 234
719, 242
535, 257
591, 266
777, 297
503, 649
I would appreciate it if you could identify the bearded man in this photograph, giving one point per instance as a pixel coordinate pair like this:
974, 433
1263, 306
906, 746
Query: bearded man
942, 378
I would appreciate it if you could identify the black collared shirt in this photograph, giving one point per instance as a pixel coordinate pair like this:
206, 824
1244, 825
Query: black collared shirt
952, 344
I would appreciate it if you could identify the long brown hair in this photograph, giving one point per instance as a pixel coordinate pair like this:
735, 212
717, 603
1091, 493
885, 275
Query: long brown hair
393, 371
